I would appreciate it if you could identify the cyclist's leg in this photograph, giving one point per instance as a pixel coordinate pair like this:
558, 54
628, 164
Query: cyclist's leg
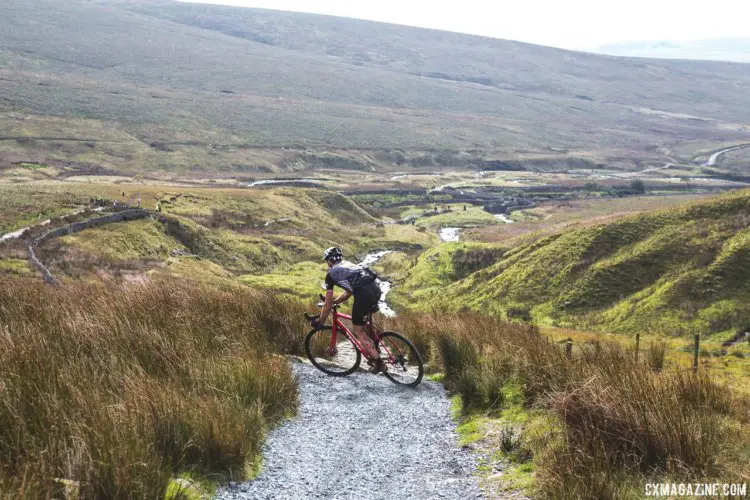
367, 343
360, 310
374, 302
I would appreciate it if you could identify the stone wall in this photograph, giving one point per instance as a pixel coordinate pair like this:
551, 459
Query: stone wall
125, 215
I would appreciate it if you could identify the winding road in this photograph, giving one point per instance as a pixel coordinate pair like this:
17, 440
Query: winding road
715, 157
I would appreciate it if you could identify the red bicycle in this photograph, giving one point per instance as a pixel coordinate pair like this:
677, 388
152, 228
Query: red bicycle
335, 350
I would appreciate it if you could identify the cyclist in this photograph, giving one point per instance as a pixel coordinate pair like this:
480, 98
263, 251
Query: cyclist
358, 281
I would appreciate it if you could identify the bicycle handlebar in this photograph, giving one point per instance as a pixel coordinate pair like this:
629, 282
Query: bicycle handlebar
310, 317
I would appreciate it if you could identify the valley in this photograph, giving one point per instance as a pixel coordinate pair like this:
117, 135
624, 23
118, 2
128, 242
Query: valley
565, 237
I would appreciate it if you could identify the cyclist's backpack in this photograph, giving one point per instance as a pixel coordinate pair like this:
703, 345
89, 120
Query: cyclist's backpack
372, 274
364, 277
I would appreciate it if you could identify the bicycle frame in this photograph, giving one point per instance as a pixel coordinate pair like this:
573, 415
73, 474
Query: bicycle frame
337, 325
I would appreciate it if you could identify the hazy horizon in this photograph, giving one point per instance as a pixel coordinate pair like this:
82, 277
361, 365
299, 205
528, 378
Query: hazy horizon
577, 24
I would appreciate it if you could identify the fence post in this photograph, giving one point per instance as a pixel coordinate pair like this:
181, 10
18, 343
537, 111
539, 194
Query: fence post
695, 351
569, 347
637, 345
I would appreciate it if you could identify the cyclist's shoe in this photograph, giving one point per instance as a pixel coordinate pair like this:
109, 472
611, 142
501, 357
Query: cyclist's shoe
383, 367
377, 366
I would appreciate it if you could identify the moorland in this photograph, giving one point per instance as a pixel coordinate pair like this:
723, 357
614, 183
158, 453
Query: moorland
560, 225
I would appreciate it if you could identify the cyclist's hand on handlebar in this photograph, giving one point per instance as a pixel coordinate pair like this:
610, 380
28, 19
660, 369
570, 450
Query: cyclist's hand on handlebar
314, 320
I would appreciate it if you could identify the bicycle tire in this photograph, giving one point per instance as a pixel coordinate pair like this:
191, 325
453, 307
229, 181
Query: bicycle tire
396, 367
326, 367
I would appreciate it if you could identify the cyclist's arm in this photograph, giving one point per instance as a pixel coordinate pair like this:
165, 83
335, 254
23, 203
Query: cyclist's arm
343, 297
328, 302
327, 305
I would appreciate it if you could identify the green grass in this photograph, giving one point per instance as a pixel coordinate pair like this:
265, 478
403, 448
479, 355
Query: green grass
189, 487
675, 271
506, 441
457, 217
15, 267
440, 266
301, 280
26, 205
402, 237
257, 234
134, 240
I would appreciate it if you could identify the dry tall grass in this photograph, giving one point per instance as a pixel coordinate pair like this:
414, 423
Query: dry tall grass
117, 388
620, 421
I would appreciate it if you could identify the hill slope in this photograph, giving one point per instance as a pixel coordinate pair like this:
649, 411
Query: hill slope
504, 64
673, 271
183, 88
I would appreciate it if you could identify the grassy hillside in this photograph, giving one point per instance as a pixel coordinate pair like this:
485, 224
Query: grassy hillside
184, 89
449, 56
675, 271
271, 238
425, 275
672, 271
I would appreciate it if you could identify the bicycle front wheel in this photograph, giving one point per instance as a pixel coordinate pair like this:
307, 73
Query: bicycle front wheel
404, 363
338, 360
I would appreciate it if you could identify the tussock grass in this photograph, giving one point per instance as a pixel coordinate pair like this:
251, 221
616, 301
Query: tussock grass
119, 388
619, 421
656, 354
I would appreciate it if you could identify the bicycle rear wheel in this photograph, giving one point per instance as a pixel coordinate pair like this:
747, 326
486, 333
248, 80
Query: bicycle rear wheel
404, 363
343, 360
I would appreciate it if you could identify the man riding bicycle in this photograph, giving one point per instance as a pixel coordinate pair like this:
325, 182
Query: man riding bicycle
358, 281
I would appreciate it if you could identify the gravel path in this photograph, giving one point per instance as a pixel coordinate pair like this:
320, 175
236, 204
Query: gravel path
325, 452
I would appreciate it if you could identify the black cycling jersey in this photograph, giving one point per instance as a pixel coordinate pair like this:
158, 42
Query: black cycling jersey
349, 276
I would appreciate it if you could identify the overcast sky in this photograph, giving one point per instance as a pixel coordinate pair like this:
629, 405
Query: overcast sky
572, 24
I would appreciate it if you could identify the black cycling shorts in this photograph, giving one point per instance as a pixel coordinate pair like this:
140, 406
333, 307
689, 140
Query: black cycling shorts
365, 301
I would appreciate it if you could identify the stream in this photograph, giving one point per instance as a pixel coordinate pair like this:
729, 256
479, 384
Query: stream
450, 234
385, 286
503, 218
